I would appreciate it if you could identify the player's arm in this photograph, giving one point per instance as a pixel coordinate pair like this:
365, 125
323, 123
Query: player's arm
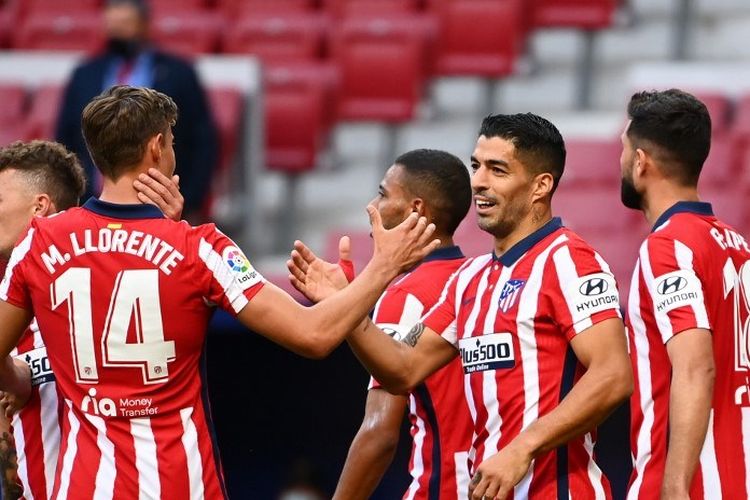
373, 447
608, 381
8, 460
315, 331
14, 378
690, 395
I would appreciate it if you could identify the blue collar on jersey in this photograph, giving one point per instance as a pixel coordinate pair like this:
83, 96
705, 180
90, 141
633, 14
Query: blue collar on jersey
447, 253
123, 211
692, 207
516, 251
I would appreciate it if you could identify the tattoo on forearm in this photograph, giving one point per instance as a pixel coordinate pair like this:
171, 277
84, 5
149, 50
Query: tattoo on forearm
412, 337
9, 466
475, 480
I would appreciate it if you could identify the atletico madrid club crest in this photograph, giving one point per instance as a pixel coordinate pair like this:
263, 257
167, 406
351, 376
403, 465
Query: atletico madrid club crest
511, 290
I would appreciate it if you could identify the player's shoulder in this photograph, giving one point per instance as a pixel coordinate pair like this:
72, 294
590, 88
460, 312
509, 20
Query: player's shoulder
570, 241
689, 230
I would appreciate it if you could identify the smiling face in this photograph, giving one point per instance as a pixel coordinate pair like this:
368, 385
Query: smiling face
502, 186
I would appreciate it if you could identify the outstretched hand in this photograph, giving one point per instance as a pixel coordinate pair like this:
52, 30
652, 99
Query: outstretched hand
314, 277
157, 189
400, 248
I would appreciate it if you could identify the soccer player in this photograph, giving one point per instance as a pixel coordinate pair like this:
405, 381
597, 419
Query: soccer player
122, 297
535, 323
38, 179
687, 312
434, 184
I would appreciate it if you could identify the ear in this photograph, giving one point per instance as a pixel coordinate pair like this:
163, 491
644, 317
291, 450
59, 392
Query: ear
155, 145
418, 205
542, 186
43, 205
642, 163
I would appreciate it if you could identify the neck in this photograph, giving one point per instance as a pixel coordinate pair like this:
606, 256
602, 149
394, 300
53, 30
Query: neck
445, 241
121, 191
528, 225
663, 195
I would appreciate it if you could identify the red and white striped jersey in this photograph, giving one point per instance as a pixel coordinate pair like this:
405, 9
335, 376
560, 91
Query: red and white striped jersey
692, 272
441, 426
512, 319
123, 297
36, 428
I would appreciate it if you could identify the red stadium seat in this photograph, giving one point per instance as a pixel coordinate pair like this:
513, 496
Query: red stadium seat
10, 132
620, 251
740, 133
294, 125
13, 97
346, 8
729, 204
720, 168
719, 107
382, 61
187, 32
479, 37
227, 105
593, 209
582, 14
7, 18
45, 106
249, 7
29, 8
592, 162
163, 7
277, 37
57, 31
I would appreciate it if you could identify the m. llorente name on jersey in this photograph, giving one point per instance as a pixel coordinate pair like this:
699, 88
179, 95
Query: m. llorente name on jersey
149, 247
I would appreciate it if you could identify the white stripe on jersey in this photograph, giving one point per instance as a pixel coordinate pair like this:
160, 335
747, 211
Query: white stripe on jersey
222, 274
146, 461
527, 307
50, 431
709, 466
107, 471
418, 467
193, 454
662, 320
17, 256
566, 275
684, 257
643, 367
595, 474
489, 381
70, 453
22, 471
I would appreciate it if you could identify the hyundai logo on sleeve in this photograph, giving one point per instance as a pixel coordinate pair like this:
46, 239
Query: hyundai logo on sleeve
671, 284
593, 286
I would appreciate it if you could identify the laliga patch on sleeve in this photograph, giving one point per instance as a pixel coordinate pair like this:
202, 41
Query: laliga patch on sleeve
594, 293
491, 351
676, 289
244, 273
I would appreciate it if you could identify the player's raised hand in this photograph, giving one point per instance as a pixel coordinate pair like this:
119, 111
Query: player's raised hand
314, 277
157, 189
400, 248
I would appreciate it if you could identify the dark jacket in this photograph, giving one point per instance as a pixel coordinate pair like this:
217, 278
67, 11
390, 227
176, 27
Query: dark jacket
196, 141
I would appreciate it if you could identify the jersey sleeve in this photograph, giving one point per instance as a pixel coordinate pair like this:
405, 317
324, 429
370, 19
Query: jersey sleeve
673, 285
230, 281
14, 287
442, 317
396, 313
582, 289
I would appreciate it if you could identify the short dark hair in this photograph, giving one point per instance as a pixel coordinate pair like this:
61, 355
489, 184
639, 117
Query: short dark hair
538, 143
142, 6
442, 181
118, 123
678, 125
49, 168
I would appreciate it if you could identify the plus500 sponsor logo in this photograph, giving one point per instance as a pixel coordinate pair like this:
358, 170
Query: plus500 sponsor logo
488, 352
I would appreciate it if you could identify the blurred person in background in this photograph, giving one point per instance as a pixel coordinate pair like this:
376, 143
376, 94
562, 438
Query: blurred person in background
38, 179
434, 184
129, 58
688, 312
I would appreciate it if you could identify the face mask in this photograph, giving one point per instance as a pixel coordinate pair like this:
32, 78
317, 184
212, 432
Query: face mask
126, 48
